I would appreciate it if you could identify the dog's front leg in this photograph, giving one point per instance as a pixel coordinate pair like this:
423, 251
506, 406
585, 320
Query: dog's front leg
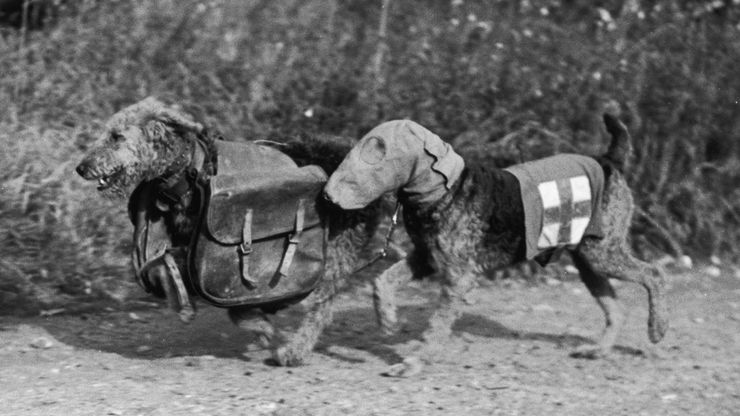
385, 287
318, 316
436, 339
256, 321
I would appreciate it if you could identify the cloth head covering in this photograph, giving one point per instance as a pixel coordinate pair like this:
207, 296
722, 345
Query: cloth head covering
398, 155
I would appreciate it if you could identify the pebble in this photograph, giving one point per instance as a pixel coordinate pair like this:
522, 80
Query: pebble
268, 407
669, 397
42, 343
715, 260
570, 269
713, 271
143, 348
134, 316
543, 307
685, 262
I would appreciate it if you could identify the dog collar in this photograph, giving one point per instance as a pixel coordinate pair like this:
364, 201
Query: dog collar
174, 192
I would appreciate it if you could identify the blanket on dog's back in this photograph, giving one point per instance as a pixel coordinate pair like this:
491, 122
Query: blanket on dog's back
561, 195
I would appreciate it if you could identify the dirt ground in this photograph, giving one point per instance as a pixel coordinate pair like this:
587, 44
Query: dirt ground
510, 357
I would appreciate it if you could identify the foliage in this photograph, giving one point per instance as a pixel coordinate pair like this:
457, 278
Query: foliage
537, 73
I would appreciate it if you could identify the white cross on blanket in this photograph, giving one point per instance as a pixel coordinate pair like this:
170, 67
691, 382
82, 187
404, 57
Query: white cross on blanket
566, 206
560, 196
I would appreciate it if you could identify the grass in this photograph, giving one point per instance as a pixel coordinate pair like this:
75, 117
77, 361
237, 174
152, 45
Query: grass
535, 73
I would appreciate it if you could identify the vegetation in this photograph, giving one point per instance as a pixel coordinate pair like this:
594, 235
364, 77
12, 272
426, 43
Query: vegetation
524, 77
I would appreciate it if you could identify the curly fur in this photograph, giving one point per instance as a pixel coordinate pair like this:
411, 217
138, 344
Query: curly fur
478, 226
151, 140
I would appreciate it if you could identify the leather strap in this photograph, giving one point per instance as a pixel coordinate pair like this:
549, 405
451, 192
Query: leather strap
294, 238
245, 248
187, 312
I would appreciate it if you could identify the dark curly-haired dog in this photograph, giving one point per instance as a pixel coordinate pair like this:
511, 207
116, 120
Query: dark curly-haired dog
468, 219
151, 140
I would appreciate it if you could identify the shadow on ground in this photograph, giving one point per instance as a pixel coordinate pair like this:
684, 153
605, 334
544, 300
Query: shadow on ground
154, 333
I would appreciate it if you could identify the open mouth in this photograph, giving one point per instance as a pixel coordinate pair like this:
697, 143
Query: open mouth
106, 181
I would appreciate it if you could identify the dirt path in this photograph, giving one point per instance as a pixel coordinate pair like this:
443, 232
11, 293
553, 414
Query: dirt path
511, 358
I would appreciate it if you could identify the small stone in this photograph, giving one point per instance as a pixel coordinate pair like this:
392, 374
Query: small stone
143, 348
570, 269
42, 343
192, 362
134, 316
685, 262
267, 407
543, 307
669, 397
713, 271
715, 260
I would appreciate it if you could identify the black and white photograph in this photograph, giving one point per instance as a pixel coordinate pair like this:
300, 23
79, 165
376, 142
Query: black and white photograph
369, 207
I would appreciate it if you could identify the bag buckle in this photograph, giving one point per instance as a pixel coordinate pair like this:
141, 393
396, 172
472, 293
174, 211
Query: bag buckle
245, 248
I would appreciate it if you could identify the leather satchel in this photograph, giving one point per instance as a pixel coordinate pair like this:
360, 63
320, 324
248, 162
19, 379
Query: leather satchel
261, 239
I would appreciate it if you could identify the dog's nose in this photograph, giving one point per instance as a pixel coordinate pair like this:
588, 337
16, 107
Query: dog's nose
326, 196
82, 169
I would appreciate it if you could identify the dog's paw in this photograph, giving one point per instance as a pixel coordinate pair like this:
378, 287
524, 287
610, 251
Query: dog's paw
657, 326
590, 352
285, 356
389, 329
409, 367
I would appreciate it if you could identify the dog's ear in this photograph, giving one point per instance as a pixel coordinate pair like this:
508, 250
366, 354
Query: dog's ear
447, 163
373, 150
155, 130
179, 120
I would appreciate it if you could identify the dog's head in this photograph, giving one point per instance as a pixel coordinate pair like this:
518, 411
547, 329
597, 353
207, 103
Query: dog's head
140, 142
398, 155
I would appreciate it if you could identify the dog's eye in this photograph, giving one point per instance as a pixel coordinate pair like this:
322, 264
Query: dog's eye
373, 150
117, 137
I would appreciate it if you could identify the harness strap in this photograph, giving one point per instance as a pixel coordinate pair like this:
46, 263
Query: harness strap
388, 236
187, 312
294, 238
245, 248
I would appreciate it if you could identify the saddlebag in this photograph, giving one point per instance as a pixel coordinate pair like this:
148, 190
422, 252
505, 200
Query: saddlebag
260, 239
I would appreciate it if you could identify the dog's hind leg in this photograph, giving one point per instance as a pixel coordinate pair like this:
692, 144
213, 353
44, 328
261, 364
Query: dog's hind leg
615, 261
600, 288
385, 287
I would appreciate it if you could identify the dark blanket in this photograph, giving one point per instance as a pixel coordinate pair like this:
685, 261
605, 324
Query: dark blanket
561, 196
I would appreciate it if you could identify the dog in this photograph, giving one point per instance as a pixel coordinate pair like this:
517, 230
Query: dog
152, 141
468, 219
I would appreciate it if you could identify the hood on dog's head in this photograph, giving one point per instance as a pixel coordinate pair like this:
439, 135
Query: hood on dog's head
398, 155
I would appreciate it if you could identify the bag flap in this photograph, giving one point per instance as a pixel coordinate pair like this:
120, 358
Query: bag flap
272, 195
234, 157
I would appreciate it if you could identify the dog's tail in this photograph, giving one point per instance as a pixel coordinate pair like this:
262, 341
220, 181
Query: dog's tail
620, 147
